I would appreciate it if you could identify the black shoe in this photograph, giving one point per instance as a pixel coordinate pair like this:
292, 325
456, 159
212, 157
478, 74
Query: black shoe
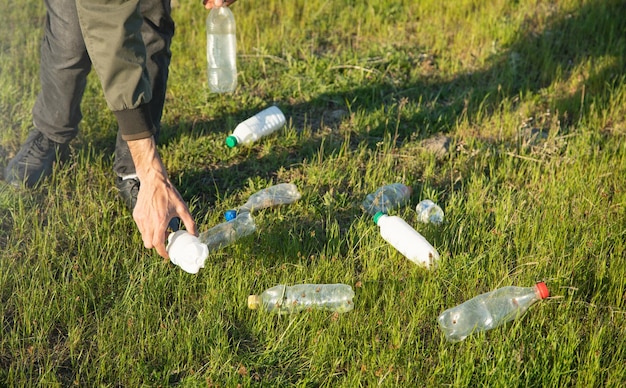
129, 189
35, 159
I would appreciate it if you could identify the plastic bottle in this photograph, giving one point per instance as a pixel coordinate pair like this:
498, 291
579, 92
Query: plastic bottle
221, 50
428, 211
257, 126
387, 198
489, 310
283, 299
280, 194
186, 251
227, 232
406, 240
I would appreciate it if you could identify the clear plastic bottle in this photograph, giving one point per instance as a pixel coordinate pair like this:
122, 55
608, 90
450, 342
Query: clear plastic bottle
489, 310
387, 198
261, 124
283, 299
221, 50
186, 251
428, 211
406, 240
280, 194
227, 232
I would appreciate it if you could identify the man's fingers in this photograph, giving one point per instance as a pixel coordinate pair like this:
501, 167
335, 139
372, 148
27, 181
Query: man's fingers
189, 223
208, 4
158, 241
145, 236
160, 248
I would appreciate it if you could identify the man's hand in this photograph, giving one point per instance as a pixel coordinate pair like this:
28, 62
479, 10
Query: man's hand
158, 200
208, 4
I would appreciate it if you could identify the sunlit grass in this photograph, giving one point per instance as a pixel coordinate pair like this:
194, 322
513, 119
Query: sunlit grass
510, 115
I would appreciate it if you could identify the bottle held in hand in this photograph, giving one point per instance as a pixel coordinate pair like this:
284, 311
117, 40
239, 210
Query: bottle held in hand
190, 252
186, 251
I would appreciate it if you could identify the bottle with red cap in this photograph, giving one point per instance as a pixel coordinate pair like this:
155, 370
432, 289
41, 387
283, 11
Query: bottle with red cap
489, 310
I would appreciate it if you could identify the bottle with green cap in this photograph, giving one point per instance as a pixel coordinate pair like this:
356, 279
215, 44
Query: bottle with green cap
489, 310
257, 126
406, 240
284, 299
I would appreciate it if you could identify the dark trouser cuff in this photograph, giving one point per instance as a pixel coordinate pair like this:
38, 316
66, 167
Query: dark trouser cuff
135, 124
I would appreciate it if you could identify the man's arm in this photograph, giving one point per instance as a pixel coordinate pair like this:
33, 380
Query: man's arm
158, 200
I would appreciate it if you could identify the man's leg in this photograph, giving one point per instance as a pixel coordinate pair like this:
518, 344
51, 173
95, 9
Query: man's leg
64, 65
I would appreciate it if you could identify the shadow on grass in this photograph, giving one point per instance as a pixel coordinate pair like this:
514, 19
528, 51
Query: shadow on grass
594, 33
529, 64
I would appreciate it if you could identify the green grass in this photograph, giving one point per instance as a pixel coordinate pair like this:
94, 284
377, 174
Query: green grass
531, 97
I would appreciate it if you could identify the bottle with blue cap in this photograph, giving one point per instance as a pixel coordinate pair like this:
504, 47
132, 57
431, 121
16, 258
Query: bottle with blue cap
228, 232
280, 194
262, 124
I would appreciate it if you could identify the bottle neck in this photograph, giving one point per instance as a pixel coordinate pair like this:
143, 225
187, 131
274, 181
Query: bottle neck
378, 216
541, 290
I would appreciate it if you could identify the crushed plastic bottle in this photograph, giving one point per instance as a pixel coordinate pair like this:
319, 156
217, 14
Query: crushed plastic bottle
186, 251
280, 194
387, 198
406, 240
256, 127
429, 212
284, 299
489, 310
221, 50
227, 232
